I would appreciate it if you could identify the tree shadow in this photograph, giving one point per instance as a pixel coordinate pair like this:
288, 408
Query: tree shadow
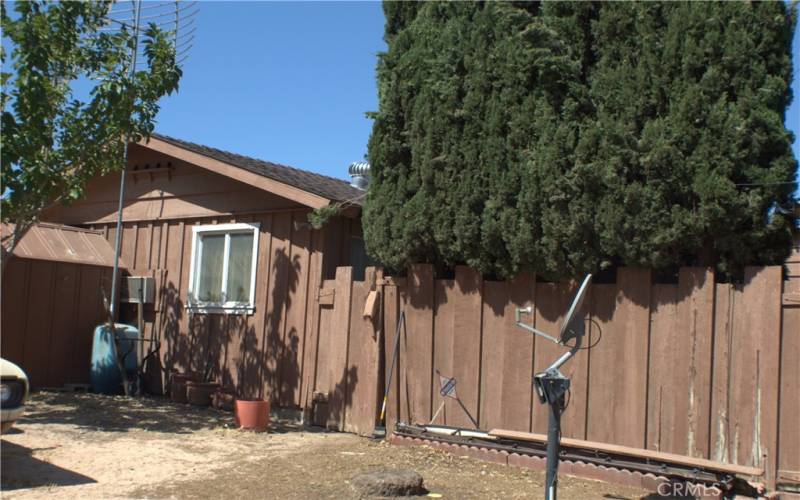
121, 414
22, 470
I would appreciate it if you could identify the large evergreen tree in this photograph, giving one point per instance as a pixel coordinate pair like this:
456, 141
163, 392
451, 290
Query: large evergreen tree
565, 137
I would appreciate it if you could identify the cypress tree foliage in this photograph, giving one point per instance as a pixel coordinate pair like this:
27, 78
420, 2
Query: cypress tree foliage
560, 138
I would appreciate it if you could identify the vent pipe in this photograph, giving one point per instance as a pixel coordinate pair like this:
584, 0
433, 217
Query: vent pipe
359, 174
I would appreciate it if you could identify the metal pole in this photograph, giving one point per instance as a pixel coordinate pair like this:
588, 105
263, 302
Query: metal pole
553, 445
118, 236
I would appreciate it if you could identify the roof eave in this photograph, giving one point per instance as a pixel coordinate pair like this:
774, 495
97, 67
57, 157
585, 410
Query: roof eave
234, 172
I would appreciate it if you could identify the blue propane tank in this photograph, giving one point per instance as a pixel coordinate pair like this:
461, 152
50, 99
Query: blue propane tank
105, 377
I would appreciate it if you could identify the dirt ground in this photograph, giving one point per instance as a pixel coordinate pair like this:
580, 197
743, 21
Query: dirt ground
90, 446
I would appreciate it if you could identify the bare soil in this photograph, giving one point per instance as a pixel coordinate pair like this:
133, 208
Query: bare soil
90, 446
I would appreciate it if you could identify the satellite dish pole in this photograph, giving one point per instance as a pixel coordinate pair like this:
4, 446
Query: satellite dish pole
551, 385
173, 15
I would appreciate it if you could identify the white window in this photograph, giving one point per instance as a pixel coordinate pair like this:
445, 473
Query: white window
223, 273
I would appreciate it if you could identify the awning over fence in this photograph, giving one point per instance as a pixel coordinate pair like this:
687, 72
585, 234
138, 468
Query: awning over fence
55, 242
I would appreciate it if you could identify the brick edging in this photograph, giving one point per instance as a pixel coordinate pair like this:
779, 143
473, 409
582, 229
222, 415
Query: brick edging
583, 470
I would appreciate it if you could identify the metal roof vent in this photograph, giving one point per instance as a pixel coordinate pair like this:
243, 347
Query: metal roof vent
359, 174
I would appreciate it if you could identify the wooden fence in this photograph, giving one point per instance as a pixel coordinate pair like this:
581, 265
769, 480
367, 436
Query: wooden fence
697, 368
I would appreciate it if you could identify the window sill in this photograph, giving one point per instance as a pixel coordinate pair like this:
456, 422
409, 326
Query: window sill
212, 309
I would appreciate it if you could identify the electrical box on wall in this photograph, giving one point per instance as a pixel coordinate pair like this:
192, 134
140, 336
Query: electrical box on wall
138, 289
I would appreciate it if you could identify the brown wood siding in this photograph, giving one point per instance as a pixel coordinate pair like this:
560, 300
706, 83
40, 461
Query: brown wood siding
49, 311
697, 368
258, 355
182, 192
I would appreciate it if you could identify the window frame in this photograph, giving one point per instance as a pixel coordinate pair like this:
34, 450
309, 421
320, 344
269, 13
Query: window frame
226, 307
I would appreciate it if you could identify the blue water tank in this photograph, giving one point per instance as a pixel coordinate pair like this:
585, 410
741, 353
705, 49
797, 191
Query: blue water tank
105, 377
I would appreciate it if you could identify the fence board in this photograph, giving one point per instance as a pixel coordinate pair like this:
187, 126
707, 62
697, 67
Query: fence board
696, 319
444, 333
789, 418
419, 353
721, 375
391, 316
619, 362
338, 339
362, 369
466, 343
666, 404
506, 397
755, 356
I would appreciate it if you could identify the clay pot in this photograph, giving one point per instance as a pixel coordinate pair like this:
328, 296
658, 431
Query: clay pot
223, 399
199, 393
177, 386
252, 414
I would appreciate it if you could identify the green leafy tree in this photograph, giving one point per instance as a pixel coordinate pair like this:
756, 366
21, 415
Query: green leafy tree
52, 141
565, 137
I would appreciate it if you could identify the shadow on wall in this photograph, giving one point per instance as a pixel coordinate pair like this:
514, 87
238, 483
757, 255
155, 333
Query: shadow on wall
254, 357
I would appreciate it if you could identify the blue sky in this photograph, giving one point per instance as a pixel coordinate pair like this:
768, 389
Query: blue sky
284, 82
290, 82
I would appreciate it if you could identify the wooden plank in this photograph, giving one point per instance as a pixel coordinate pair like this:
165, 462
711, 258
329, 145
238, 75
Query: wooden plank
667, 402
493, 354
618, 363
444, 337
15, 305
391, 316
467, 337
339, 378
278, 292
700, 463
251, 354
38, 325
326, 296
62, 327
88, 292
419, 354
295, 310
362, 392
789, 418
755, 362
311, 344
720, 438
696, 318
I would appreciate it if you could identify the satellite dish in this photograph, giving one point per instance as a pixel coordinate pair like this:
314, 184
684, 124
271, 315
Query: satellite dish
573, 325
571, 328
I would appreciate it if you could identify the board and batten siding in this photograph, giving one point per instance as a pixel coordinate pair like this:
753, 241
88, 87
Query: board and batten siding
257, 355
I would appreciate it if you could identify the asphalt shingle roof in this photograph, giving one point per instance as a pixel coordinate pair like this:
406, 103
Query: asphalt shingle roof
322, 185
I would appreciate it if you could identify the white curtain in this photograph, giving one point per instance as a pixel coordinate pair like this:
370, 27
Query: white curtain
209, 287
240, 262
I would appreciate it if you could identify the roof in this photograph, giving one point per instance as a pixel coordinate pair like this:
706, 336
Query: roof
331, 188
56, 242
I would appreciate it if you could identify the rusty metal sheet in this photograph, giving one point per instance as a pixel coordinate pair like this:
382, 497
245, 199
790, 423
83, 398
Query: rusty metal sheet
58, 243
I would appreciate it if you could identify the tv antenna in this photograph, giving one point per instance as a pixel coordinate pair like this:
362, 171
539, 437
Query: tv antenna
127, 18
551, 385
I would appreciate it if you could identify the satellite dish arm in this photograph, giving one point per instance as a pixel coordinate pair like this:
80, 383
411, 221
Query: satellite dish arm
529, 310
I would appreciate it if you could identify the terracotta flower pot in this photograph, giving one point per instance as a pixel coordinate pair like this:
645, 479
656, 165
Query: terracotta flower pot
177, 386
199, 393
223, 399
252, 414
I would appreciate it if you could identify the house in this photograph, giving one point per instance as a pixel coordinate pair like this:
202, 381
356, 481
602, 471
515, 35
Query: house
235, 262
54, 283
